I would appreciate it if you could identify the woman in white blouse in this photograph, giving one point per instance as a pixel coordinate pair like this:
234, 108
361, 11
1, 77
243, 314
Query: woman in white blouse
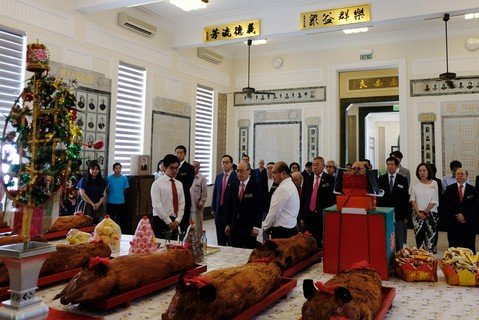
424, 200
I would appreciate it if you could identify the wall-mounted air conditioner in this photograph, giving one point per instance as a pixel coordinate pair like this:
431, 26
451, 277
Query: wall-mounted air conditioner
210, 56
135, 24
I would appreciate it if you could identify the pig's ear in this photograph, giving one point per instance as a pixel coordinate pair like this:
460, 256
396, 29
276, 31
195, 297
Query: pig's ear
207, 293
343, 294
309, 290
271, 245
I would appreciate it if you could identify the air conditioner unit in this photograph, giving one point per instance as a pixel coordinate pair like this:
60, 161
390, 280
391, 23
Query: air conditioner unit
210, 56
135, 24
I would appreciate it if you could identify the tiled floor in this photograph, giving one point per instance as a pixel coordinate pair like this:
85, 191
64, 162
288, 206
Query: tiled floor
442, 245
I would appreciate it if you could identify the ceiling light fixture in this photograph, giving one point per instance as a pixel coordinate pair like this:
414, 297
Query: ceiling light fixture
357, 30
257, 42
188, 5
471, 16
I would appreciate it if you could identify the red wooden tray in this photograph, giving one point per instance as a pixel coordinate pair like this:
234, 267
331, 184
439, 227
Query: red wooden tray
303, 264
63, 233
3, 230
388, 294
126, 297
43, 281
287, 284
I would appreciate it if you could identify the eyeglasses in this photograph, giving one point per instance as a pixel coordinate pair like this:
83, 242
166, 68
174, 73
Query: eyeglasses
173, 168
242, 170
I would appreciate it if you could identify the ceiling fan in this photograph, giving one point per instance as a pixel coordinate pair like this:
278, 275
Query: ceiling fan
447, 76
248, 90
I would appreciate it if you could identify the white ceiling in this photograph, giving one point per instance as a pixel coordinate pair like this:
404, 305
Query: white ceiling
391, 20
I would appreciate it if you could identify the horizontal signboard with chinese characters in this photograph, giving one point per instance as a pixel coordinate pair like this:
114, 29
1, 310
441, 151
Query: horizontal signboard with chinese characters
281, 96
373, 83
230, 31
335, 17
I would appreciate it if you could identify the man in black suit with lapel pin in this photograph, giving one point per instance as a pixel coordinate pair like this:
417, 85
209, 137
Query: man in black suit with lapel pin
186, 175
243, 219
223, 193
317, 194
462, 203
396, 195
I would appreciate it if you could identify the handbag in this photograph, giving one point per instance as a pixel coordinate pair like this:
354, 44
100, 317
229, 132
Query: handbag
80, 208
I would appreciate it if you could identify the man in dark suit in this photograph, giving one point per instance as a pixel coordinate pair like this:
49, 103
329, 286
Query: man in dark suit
462, 203
186, 175
308, 170
243, 219
396, 195
223, 193
316, 195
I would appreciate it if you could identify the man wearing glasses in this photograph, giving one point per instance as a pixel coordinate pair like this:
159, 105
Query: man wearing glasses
167, 199
283, 211
243, 220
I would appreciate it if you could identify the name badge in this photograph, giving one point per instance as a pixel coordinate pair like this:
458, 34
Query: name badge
325, 185
470, 196
248, 195
183, 173
400, 186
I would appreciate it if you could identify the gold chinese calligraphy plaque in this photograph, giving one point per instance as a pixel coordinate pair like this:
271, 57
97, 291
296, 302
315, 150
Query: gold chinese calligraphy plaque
230, 31
335, 17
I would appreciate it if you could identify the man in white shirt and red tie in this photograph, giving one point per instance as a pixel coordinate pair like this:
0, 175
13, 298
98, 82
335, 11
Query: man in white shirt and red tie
167, 199
222, 197
243, 219
462, 205
316, 195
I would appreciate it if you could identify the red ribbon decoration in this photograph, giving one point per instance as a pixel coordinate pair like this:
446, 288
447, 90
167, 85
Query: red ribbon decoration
97, 260
198, 281
324, 288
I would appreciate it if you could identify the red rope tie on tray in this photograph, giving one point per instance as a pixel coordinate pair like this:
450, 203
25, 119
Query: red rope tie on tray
97, 260
324, 288
198, 281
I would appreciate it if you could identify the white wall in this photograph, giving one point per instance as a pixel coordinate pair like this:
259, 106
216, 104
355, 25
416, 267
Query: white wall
95, 42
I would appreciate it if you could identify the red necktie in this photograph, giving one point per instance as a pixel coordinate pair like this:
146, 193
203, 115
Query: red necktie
241, 192
175, 196
312, 204
223, 187
460, 192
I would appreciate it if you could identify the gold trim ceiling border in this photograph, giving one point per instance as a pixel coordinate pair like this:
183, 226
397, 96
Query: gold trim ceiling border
335, 17
231, 31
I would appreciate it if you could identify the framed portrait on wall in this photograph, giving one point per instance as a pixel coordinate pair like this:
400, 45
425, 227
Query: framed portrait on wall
141, 164
91, 122
100, 123
103, 104
92, 101
81, 100
94, 122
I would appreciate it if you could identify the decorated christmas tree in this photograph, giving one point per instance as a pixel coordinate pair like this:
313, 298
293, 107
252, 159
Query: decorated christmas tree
41, 130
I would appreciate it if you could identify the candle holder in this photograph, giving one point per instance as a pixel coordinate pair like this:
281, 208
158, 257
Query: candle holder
24, 261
